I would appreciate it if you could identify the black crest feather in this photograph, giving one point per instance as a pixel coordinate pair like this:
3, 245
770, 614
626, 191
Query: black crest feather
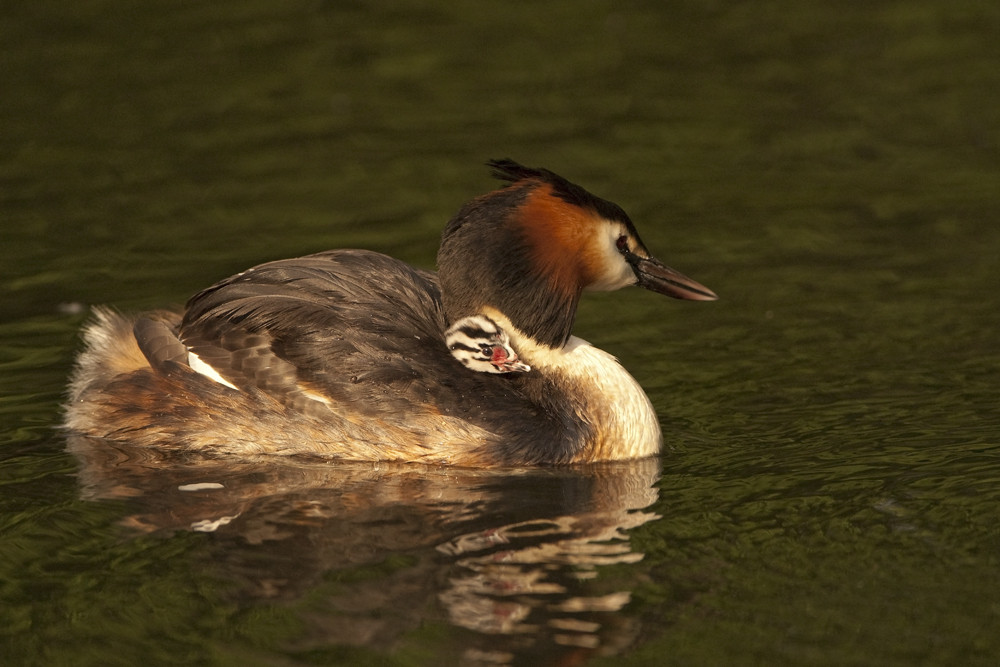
512, 172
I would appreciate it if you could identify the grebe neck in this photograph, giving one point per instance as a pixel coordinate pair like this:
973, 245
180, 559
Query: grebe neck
604, 395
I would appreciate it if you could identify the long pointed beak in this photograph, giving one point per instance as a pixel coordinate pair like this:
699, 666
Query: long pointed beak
656, 276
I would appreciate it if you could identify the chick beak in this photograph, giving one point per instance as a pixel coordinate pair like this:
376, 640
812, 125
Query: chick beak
505, 363
656, 276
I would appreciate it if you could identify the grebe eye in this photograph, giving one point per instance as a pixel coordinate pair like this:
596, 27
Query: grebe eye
622, 244
486, 349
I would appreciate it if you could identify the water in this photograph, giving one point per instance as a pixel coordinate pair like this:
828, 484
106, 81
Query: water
831, 481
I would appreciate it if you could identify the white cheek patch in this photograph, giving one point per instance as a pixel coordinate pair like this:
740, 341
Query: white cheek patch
615, 271
199, 366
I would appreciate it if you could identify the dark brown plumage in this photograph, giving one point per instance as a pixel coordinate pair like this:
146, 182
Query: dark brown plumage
342, 353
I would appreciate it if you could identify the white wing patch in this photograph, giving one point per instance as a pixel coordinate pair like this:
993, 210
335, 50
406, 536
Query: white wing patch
199, 366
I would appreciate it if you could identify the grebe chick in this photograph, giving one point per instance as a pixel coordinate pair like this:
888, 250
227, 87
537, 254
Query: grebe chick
351, 354
482, 346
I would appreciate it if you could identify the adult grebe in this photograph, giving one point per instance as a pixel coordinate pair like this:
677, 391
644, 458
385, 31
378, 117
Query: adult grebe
352, 354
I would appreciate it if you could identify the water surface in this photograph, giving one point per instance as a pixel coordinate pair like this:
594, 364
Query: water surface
830, 485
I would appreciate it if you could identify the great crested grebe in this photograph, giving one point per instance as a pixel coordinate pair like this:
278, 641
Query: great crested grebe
351, 354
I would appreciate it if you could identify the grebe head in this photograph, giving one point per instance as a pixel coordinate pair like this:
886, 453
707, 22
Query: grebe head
481, 345
531, 248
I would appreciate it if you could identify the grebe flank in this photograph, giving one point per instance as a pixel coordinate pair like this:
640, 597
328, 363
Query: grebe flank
351, 354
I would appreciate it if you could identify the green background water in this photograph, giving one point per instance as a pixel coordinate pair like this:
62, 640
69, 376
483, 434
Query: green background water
831, 480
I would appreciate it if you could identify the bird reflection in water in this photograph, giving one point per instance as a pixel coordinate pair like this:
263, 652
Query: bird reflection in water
512, 556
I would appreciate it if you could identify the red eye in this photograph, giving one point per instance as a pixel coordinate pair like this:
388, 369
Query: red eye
622, 244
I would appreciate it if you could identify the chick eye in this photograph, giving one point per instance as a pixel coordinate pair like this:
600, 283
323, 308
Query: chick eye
622, 244
486, 349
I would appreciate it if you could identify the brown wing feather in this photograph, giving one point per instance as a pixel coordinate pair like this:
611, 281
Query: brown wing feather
361, 329
159, 343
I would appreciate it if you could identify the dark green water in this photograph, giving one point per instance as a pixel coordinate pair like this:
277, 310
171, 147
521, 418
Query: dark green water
830, 488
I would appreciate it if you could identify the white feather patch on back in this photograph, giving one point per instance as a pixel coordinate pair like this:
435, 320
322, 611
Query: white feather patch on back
311, 395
